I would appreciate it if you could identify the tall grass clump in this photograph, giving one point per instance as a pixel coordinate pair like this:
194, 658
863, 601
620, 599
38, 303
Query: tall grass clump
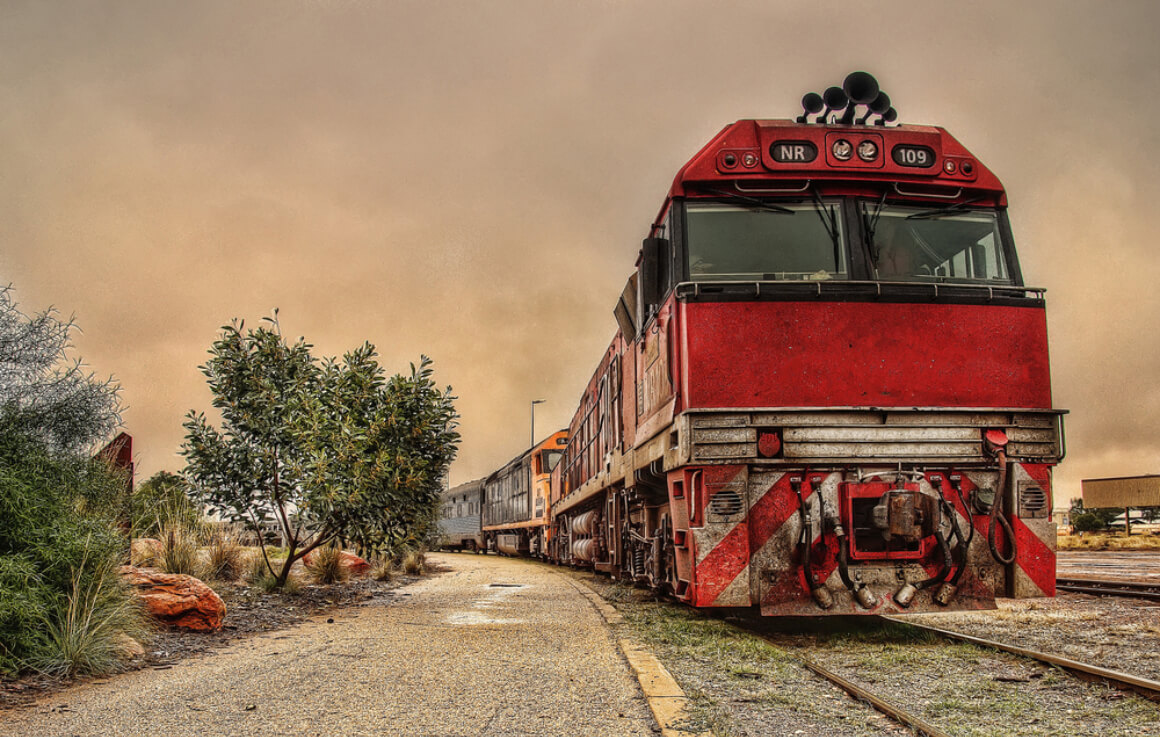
326, 565
161, 501
179, 552
383, 568
414, 563
259, 576
224, 555
87, 635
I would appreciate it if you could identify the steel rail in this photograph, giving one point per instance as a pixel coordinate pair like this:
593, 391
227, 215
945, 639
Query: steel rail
1150, 591
894, 712
897, 713
1143, 686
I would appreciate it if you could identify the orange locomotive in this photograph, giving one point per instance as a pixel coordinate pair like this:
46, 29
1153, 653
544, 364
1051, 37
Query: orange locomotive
515, 500
829, 391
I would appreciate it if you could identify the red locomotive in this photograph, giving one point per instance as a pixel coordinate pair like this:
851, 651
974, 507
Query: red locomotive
829, 391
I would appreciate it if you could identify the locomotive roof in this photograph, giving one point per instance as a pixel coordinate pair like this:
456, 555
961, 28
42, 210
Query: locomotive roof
464, 488
778, 157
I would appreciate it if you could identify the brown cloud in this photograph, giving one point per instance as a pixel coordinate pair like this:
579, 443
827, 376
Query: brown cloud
472, 180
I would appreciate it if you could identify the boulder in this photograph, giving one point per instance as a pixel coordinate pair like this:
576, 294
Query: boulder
176, 600
356, 565
145, 550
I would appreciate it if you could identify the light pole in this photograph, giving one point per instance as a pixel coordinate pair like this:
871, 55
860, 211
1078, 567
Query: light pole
534, 403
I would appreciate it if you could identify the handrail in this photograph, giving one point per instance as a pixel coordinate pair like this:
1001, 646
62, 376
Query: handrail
816, 285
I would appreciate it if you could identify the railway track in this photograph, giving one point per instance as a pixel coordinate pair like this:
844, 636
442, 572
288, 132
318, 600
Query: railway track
1146, 687
890, 709
1124, 681
1136, 589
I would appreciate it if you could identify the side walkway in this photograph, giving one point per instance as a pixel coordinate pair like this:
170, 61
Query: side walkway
493, 647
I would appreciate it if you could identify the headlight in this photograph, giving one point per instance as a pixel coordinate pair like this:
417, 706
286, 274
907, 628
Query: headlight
867, 150
842, 150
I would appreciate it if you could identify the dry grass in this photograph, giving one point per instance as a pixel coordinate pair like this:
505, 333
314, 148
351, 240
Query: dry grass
1107, 541
145, 552
258, 575
414, 563
179, 550
224, 553
326, 565
382, 569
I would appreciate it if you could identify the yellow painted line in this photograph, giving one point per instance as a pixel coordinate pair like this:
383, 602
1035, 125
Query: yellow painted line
665, 697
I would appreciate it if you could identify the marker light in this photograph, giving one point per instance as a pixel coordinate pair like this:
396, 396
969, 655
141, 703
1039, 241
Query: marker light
730, 160
768, 444
842, 150
749, 159
949, 166
867, 150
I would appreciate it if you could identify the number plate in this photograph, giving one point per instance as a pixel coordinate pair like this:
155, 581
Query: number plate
919, 157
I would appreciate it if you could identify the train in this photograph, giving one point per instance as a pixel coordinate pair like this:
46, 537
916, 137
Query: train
828, 392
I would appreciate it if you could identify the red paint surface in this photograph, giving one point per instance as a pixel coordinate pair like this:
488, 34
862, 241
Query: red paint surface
835, 354
726, 561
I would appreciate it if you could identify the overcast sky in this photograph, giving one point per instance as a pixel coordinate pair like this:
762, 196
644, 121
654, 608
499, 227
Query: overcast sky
471, 180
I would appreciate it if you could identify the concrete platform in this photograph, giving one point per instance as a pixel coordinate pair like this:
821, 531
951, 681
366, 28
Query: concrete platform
492, 647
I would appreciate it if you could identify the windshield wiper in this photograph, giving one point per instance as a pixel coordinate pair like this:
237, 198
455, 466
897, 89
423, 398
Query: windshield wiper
753, 202
940, 211
829, 222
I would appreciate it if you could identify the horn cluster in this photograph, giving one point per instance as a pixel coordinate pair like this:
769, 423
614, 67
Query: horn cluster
859, 88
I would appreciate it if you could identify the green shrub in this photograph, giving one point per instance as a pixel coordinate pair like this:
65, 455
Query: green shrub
326, 565
159, 501
1086, 522
57, 537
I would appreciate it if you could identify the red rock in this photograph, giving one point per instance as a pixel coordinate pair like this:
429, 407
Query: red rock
176, 600
356, 565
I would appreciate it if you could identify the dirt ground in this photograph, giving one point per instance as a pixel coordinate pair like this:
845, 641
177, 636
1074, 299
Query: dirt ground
248, 612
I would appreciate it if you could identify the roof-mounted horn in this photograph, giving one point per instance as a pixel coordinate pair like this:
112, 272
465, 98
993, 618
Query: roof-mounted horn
859, 88
862, 89
835, 100
812, 104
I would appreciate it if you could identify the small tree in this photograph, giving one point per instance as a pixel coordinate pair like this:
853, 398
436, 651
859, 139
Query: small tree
43, 394
322, 450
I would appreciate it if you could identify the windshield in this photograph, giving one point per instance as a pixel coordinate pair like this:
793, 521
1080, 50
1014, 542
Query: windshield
789, 241
940, 245
549, 459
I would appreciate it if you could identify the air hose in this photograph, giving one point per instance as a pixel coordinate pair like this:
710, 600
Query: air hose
964, 543
997, 516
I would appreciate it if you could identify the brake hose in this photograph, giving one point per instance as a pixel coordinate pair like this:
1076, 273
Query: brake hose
805, 540
965, 542
997, 516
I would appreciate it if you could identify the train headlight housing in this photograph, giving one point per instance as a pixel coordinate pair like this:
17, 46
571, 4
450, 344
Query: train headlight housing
842, 149
867, 150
